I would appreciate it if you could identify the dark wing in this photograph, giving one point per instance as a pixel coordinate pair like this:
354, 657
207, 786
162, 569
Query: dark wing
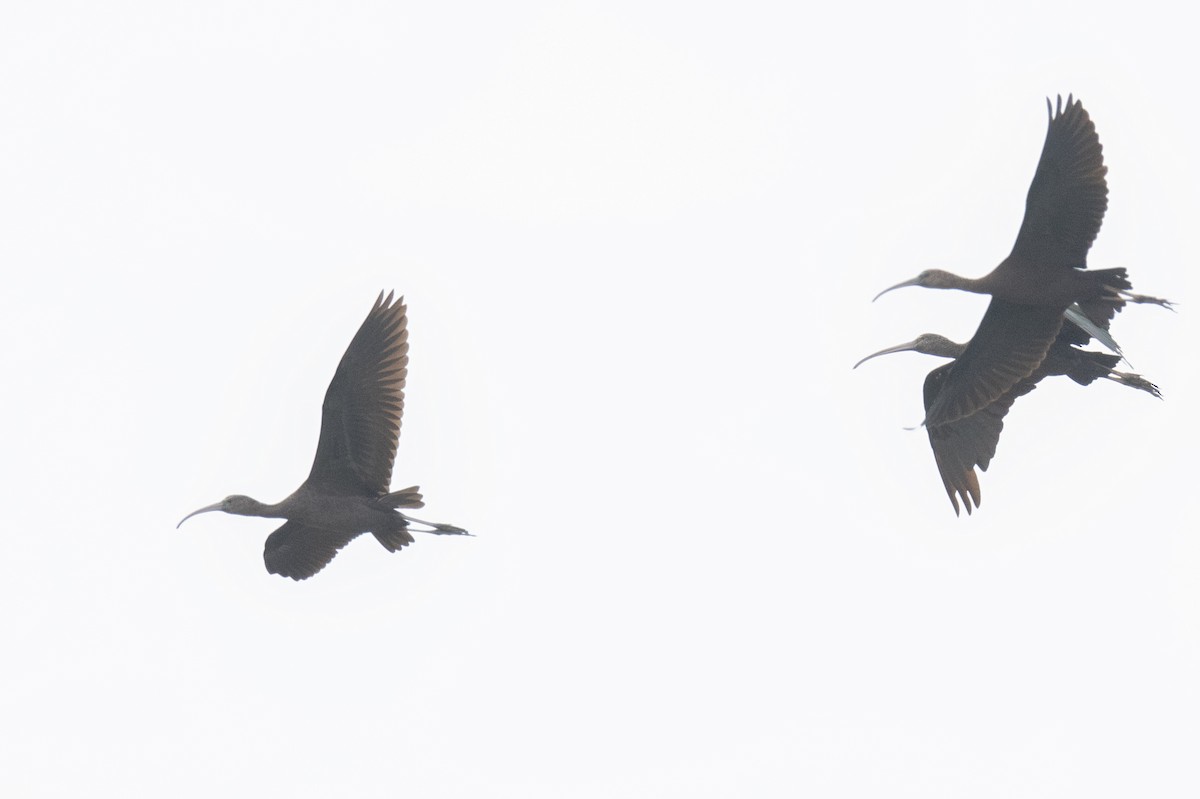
299, 551
360, 420
970, 441
1068, 196
1011, 341
960, 446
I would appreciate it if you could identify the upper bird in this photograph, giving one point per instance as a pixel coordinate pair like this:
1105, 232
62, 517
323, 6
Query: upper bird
346, 493
1043, 275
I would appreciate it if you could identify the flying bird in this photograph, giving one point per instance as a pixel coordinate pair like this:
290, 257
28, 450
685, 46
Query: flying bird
1045, 273
969, 441
346, 493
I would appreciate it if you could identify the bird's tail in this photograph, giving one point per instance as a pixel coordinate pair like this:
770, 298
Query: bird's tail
1094, 365
394, 539
1109, 281
1113, 290
407, 498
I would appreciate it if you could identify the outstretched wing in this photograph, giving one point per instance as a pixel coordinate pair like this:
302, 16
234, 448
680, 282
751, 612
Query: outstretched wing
1069, 195
968, 442
960, 446
1011, 341
360, 419
298, 551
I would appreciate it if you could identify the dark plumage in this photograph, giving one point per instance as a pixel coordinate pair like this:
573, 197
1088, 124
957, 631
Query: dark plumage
346, 493
969, 441
1044, 274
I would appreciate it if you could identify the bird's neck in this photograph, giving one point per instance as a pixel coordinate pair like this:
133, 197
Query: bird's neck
945, 348
949, 280
257, 508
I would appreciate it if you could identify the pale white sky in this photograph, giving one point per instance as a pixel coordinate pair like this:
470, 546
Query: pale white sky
638, 243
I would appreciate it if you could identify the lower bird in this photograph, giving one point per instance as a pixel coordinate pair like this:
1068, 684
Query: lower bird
961, 445
347, 491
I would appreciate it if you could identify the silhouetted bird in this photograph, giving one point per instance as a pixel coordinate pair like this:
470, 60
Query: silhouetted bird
1044, 274
346, 493
969, 441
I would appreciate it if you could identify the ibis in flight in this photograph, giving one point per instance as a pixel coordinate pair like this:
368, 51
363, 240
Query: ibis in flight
347, 491
1045, 273
961, 445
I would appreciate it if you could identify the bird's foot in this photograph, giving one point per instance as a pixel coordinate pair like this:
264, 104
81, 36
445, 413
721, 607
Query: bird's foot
1135, 381
1145, 298
437, 528
448, 529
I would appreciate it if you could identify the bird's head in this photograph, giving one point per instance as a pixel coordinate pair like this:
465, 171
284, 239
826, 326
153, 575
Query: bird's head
234, 503
927, 344
929, 279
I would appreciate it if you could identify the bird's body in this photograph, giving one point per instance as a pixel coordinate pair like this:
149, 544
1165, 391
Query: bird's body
346, 493
1019, 281
1045, 273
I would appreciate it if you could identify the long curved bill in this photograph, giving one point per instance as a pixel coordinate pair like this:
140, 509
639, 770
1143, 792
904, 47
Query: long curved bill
912, 345
205, 509
914, 282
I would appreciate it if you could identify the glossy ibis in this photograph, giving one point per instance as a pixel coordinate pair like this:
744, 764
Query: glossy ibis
969, 441
346, 493
1044, 274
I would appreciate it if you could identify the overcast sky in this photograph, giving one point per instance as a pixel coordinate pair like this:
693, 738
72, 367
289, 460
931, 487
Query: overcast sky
639, 244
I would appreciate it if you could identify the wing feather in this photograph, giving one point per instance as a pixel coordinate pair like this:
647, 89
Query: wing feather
364, 404
1069, 194
1011, 341
298, 551
961, 445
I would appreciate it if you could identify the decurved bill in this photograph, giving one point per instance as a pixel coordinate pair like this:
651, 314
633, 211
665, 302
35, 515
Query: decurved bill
912, 345
205, 509
916, 281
